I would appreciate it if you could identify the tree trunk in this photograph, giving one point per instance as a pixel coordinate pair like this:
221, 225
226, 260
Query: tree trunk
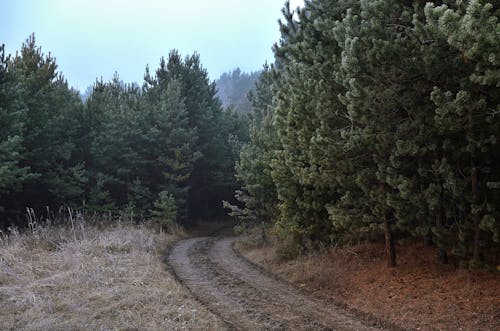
441, 251
428, 238
390, 250
442, 255
263, 232
476, 252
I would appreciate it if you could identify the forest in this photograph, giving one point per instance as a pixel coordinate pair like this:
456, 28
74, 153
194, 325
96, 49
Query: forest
164, 150
378, 120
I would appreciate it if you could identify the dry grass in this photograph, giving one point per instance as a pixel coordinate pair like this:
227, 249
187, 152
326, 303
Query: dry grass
56, 278
419, 294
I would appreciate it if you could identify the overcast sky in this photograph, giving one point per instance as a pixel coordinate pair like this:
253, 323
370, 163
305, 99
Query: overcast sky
95, 38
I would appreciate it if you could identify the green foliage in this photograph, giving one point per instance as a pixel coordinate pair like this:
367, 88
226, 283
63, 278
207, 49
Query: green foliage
121, 147
12, 118
309, 121
386, 115
377, 118
99, 199
165, 210
139, 199
258, 199
211, 179
41, 126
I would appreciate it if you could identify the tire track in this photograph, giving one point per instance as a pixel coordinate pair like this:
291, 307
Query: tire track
245, 297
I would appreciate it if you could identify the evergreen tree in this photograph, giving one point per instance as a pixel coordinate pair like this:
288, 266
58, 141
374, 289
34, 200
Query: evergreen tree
139, 200
257, 198
466, 114
165, 210
51, 127
112, 155
309, 119
172, 148
12, 118
119, 149
377, 71
387, 128
208, 184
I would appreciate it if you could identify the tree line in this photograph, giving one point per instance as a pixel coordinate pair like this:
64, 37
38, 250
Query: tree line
233, 88
165, 149
379, 120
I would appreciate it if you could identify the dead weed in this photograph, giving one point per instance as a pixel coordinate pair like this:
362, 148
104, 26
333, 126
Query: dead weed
57, 278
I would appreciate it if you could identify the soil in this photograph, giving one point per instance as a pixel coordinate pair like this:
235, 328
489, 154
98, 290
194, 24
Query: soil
419, 294
246, 297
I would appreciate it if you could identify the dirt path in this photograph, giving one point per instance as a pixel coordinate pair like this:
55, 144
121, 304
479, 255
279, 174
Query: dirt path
245, 297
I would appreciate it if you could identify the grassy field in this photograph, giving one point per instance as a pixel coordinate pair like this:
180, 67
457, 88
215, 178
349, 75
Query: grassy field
85, 278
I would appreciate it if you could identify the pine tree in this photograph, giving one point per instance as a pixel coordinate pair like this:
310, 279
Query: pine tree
172, 148
113, 157
51, 126
257, 198
12, 118
386, 116
309, 119
165, 210
465, 112
208, 185
139, 200
99, 200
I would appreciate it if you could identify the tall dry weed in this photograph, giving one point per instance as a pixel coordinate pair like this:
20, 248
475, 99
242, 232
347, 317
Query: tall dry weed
82, 277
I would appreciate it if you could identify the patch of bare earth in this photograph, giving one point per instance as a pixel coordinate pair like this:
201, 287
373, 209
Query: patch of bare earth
419, 294
93, 279
247, 298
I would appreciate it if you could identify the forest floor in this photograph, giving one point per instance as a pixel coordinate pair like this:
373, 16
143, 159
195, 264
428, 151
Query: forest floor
91, 278
419, 294
248, 298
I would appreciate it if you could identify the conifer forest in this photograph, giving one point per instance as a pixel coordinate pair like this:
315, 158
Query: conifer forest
373, 134
166, 146
378, 120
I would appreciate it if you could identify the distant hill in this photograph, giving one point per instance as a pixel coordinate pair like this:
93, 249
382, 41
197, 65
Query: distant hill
233, 88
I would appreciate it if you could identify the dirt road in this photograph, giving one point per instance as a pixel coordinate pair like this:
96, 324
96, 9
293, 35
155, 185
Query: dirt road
247, 298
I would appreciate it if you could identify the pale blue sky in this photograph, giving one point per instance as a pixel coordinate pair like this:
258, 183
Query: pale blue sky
95, 38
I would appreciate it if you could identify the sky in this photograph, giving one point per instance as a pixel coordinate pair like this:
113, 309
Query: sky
95, 38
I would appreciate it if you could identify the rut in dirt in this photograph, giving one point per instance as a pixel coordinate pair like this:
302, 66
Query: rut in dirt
245, 297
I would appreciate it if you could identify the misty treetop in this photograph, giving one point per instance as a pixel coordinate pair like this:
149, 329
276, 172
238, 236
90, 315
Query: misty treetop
166, 147
233, 88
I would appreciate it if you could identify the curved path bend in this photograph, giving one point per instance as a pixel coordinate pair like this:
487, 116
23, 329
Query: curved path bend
245, 297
